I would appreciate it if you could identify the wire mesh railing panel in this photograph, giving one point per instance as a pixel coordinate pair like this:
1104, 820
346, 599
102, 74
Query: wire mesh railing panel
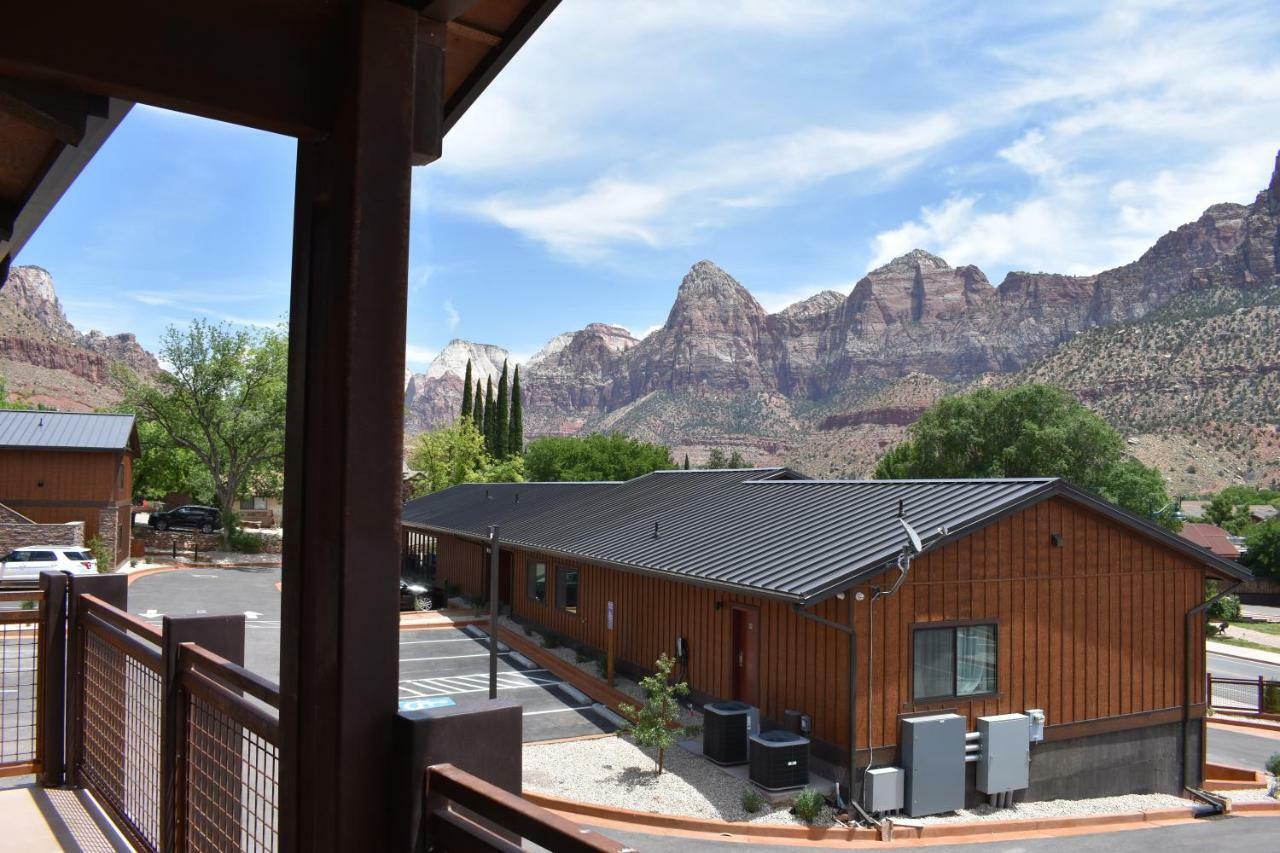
1234, 694
19, 689
120, 749
231, 782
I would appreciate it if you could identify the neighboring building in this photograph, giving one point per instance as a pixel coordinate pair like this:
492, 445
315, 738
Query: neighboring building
58, 467
1028, 594
1192, 510
1212, 538
1262, 512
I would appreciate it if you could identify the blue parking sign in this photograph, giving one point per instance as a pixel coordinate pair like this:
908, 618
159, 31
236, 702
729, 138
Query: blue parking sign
426, 703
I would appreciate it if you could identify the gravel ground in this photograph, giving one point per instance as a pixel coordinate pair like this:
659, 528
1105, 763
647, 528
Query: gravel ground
1250, 795
615, 772
1060, 808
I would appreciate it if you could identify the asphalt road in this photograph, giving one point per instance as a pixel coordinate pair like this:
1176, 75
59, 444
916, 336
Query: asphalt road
1237, 834
1231, 667
440, 666
448, 666
1238, 748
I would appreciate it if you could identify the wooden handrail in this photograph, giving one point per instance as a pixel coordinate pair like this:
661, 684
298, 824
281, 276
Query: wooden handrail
119, 619
21, 595
148, 656
233, 705
513, 813
194, 658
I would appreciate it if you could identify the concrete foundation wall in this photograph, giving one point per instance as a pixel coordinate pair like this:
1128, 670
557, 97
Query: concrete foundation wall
1138, 761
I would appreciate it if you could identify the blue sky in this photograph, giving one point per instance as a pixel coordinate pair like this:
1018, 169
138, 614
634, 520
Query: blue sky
796, 144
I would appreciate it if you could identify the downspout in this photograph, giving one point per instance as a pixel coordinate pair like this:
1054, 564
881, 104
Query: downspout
848, 631
1189, 674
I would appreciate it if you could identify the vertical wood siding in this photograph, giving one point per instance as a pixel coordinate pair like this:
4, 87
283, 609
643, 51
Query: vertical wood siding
1089, 630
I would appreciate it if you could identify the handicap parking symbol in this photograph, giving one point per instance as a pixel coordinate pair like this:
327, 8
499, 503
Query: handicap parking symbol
425, 704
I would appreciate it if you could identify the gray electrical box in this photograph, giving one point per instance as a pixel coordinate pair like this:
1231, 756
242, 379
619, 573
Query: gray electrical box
883, 789
1005, 758
933, 756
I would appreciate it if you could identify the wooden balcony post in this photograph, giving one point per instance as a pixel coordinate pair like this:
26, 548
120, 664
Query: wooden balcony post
339, 662
51, 711
222, 635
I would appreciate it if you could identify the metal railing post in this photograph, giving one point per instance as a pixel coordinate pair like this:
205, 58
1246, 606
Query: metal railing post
1262, 694
51, 699
114, 590
224, 636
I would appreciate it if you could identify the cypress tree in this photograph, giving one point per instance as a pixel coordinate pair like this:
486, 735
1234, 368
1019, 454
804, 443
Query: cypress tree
467, 403
477, 410
515, 433
686, 462
490, 415
501, 421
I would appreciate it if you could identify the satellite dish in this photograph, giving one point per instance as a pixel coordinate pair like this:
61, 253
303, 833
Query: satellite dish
912, 535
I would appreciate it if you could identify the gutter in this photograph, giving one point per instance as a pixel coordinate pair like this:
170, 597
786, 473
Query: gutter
1188, 674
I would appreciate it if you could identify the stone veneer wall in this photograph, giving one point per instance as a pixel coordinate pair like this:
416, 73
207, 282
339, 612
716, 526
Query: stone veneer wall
163, 542
24, 534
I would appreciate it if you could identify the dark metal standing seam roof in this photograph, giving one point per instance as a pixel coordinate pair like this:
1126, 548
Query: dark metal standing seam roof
39, 430
470, 508
756, 532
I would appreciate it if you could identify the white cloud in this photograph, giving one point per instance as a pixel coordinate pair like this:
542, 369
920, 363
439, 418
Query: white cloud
672, 205
417, 355
451, 315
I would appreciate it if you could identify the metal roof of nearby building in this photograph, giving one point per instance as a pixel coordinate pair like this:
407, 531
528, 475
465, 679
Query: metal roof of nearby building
1212, 538
760, 531
39, 430
470, 508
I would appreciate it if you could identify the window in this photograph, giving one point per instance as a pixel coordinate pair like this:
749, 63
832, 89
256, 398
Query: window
41, 557
567, 588
537, 580
953, 661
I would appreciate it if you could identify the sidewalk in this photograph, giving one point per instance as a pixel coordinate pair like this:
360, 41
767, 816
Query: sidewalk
1256, 655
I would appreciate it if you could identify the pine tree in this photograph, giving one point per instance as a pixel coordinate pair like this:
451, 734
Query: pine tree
467, 403
515, 432
501, 421
477, 411
490, 415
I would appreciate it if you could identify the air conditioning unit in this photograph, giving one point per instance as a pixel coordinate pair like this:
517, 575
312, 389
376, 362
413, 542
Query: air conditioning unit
724, 732
779, 760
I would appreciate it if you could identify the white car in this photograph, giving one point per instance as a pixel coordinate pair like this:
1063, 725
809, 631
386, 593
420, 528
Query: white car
26, 564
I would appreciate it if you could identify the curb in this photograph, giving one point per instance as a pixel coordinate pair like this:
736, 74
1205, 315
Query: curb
608, 696
976, 831
1266, 729
1263, 809
159, 570
1238, 654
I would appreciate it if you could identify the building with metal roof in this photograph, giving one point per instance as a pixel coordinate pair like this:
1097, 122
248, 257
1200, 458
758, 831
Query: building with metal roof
59, 467
856, 602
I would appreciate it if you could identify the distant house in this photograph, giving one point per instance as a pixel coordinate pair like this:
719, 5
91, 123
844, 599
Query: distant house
1027, 594
1192, 509
59, 467
1262, 512
1212, 538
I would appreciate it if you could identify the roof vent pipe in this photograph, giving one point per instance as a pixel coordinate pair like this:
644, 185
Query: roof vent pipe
655, 530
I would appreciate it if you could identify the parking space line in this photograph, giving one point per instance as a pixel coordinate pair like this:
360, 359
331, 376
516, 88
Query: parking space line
453, 657
555, 711
427, 642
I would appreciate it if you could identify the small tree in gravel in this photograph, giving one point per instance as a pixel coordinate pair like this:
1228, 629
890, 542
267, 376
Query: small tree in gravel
655, 724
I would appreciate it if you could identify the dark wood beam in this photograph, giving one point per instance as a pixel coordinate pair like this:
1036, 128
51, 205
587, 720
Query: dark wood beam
59, 112
497, 58
272, 69
343, 447
440, 10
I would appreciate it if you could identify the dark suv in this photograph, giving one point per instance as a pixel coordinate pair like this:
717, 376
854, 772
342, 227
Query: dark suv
206, 519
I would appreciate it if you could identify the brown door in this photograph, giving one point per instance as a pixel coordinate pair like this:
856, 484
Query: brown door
746, 654
504, 577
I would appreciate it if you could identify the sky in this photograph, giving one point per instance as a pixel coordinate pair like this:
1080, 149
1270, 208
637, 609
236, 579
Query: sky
798, 145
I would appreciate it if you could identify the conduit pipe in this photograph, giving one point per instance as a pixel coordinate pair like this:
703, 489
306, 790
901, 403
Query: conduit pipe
1189, 674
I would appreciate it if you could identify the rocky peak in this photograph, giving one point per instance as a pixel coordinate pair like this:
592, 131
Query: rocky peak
30, 290
709, 296
819, 303
918, 287
916, 259
486, 360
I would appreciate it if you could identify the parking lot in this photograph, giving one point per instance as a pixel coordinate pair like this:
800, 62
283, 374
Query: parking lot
439, 667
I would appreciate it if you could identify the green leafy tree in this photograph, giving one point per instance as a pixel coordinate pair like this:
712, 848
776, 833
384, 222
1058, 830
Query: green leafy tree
222, 399
1027, 431
502, 420
477, 412
1263, 543
736, 461
163, 467
655, 724
515, 431
716, 459
1130, 484
467, 403
593, 457
448, 455
490, 415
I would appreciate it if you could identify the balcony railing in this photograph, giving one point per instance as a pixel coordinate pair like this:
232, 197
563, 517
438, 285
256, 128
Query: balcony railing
181, 746
1242, 695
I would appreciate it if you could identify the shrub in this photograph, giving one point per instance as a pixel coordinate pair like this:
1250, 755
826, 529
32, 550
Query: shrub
243, 541
1273, 764
581, 657
1225, 609
655, 724
102, 555
602, 664
808, 805
1271, 700
752, 802
550, 641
